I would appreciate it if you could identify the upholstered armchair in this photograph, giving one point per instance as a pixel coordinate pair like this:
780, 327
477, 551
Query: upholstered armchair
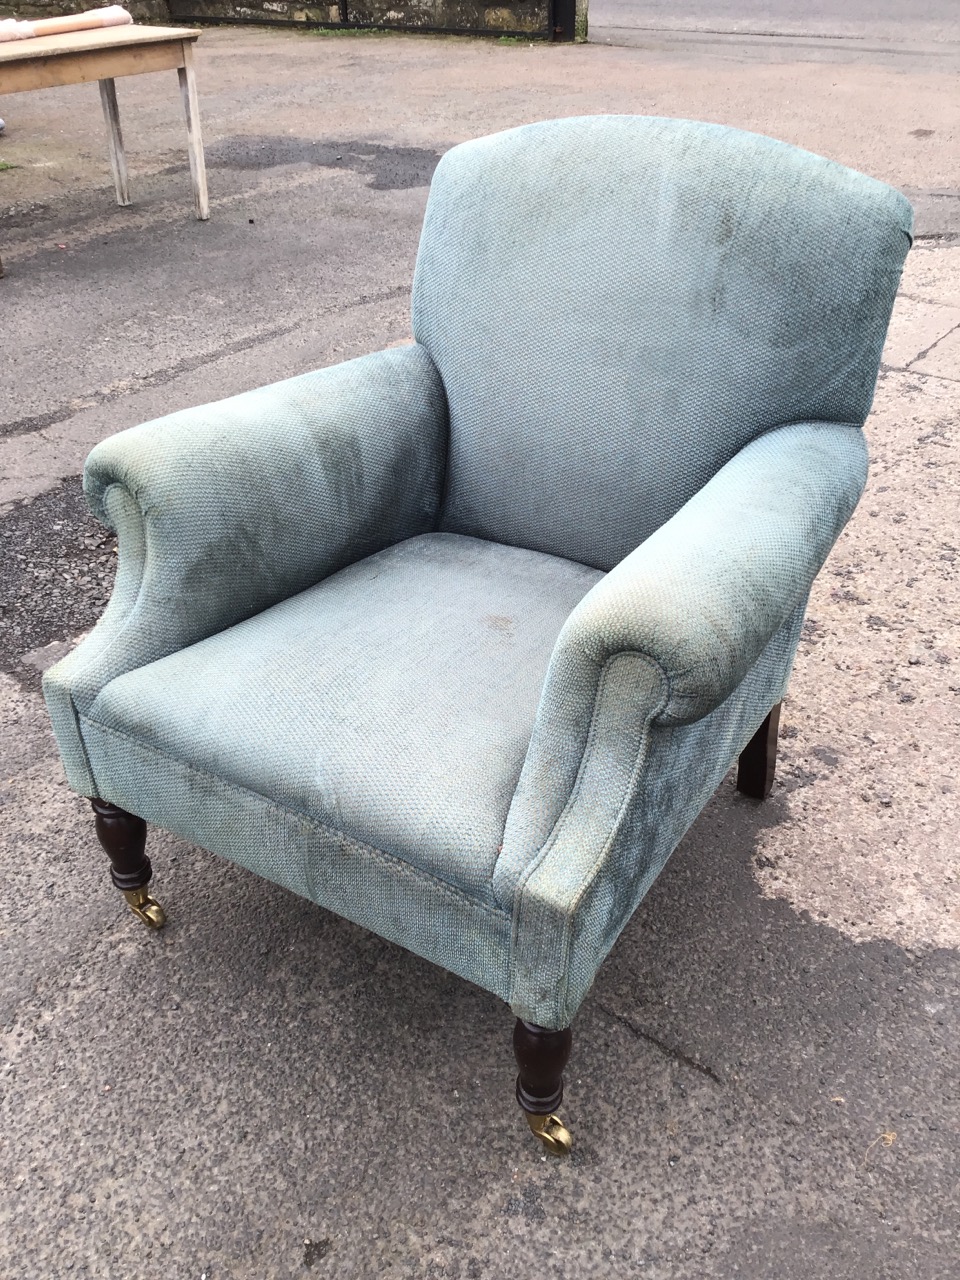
457, 639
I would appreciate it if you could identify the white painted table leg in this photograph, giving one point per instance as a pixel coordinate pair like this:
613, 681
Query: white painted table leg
191, 109
118, 161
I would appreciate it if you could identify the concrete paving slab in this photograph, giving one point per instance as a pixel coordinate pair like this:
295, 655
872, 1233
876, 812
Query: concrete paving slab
942, 358
887, 20
879, 32
933, 278
916, 328
765, 1075
882, 642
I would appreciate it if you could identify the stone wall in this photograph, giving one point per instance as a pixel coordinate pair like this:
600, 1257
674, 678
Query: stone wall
510, 17
155, 11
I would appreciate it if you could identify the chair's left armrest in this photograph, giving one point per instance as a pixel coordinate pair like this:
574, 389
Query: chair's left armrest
224, 510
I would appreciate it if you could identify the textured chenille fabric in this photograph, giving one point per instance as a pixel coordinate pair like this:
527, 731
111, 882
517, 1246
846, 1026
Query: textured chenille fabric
660, 292
224, 510
458, 639
394, 701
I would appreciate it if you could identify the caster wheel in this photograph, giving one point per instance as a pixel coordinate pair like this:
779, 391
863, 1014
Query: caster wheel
552, 1132
145, 908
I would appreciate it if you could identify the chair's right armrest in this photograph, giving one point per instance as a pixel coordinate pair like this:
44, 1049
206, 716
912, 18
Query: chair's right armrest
662, 641
224, 510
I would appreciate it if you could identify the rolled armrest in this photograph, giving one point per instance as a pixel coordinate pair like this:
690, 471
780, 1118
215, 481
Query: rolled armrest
224, 510
703, 595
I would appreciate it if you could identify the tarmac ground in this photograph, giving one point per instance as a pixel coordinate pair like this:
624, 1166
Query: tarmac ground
765, 1076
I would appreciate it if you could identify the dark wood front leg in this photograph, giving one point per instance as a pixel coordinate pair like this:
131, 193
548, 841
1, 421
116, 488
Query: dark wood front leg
758, 759
124, 838
541, 1056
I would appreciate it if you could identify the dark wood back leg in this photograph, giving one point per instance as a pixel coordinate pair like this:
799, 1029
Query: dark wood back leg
124, 838
541, 1056
758, 759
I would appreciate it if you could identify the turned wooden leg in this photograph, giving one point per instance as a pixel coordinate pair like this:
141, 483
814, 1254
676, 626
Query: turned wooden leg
124, 838
541, 1056
758, 759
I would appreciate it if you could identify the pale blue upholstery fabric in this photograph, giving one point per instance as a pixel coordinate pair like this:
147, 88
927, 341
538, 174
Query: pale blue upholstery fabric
457, 640
224, 510
660, 293
394, 701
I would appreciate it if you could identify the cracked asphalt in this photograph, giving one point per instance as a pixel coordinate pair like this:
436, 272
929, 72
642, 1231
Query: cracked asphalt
765, 1076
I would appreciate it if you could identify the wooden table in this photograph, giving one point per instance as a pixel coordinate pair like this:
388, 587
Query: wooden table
46, 62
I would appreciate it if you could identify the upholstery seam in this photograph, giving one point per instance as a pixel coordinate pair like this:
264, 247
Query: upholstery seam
563, 986
601, 678
800, 422
628, 791
387, 859
91, 663
554, 836
124, 621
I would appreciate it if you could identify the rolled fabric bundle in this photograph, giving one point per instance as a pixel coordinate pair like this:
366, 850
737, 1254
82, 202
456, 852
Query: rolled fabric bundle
11, 29
112, 16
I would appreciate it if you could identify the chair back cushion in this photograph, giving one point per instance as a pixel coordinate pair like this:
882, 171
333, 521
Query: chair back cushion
618, 304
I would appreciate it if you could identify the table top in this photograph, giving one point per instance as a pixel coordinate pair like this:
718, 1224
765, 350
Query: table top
90, 41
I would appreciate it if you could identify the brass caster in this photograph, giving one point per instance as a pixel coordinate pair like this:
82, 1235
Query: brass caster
145, 908
552, 1132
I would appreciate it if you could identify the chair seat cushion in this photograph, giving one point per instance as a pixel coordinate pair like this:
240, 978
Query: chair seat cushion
393, 702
